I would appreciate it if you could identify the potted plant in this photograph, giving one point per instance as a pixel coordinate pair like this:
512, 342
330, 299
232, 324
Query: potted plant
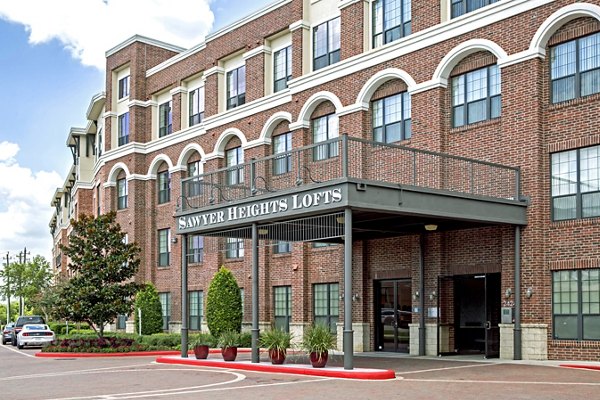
229, 342
276, 342
201, 343
317, 342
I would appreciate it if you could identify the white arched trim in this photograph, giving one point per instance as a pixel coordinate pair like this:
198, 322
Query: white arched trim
312, 103
442, 72
272, 122
226, 136
558, 19
187, 152
366, 92
114, 172
153, 169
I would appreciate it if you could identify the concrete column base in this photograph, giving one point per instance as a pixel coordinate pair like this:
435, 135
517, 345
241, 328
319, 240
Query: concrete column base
174, 326
534, 340
362, 336
130, 326
431, 339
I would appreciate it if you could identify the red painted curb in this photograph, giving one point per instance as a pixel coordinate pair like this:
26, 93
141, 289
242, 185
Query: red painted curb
324, 372
581, 366
129, 354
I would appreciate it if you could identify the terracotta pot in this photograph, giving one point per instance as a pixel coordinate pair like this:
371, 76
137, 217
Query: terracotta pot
277, 356
201, 352
318, 360
229, 353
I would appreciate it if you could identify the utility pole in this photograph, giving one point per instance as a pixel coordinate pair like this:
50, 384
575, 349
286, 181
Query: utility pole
7, 288
23, 256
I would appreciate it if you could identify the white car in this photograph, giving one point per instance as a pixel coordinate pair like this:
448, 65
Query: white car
34, 335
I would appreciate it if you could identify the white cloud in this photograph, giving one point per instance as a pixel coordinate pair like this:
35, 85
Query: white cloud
25, 205
88, 28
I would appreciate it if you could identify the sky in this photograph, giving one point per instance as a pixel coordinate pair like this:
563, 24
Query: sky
52, 60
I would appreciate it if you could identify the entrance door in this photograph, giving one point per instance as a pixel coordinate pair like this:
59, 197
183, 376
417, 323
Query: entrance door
477, 314
393, 314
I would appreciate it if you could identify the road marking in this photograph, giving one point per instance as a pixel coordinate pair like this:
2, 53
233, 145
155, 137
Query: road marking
162, 392
75, 372
461, 381
181, 391
444, 369
16, 350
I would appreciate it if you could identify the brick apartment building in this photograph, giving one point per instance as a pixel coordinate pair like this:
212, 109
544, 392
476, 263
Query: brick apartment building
423, 176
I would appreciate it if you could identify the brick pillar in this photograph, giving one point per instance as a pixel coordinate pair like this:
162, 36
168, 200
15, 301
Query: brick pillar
255, 73
176, 110
354, 27
213, 90
300, 45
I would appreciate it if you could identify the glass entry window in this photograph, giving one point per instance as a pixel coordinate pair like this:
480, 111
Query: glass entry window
393, 314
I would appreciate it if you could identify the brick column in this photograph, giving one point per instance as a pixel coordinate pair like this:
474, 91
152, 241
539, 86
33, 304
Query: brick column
213, 89
354, 27
255, 73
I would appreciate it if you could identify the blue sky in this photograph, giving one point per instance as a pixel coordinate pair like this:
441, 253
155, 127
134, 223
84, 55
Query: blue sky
50, 67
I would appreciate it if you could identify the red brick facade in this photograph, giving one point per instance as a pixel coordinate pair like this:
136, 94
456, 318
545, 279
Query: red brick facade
529, 129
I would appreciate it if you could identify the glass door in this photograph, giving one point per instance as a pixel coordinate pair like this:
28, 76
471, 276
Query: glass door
492, 311
393, 314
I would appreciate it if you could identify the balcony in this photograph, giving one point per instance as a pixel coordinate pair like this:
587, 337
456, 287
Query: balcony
347, 159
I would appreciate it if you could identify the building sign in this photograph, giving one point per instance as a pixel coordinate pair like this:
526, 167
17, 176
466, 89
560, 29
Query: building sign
265, 208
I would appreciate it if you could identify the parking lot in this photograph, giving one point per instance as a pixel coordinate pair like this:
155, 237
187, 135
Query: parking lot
24, 376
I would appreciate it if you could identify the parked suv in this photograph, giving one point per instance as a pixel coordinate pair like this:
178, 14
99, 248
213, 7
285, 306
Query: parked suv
22, 320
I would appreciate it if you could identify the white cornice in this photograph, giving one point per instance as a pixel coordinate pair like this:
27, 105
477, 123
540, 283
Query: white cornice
146, 40
95, 106
214, 70
177, 90
109, 114
521, 57
256, 51
301, 24
345, 3
140, 103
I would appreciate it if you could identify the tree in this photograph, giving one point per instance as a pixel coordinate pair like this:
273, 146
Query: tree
27, 280
14, 308
103, 267
223, 304
48, 300
147, 300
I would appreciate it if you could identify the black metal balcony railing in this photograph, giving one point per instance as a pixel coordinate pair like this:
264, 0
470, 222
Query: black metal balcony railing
347, 157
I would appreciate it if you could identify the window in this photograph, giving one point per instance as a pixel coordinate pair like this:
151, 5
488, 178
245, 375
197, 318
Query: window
282, 309
282, 68
100, 144
164, 247
460, 7
326, 304
196, 302
391, 118
235, 161
123, 129
281, 247
196, 106
325, 128
576, 183
165, 302
194, 186
326, 44
236, 87
282, 144
165, 119
576, 304
121, 321
391, 20
575, 68
234, 248
476, 96
164, 187
124, 87
121, 194
318, 245
242, 296
195, 249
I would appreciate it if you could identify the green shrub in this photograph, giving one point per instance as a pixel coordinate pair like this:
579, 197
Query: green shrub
223, 304
246, 339
147, 300
162, 340
202, 339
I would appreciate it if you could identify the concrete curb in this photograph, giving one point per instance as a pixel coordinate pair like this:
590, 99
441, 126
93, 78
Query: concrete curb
581, 366
297, 369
